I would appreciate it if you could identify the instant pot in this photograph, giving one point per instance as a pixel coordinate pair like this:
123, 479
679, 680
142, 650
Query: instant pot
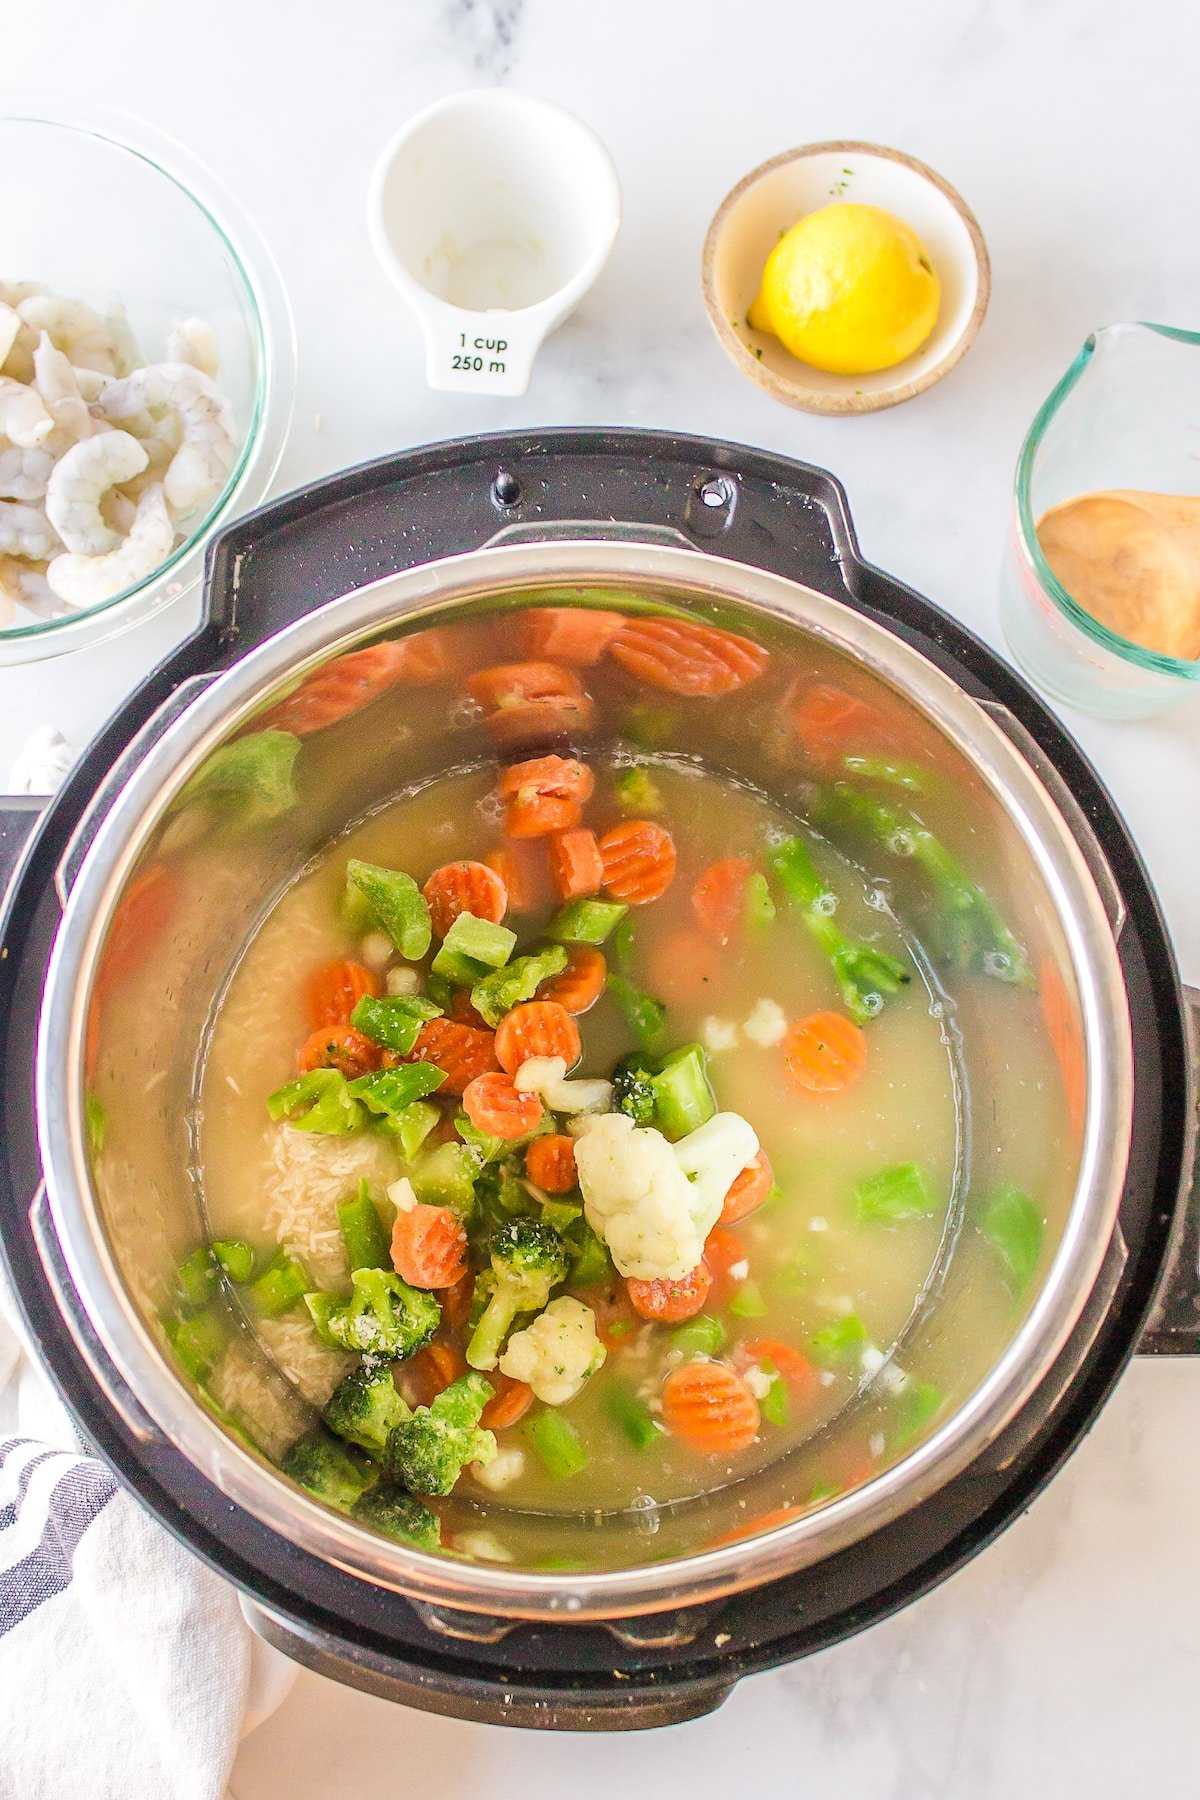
733, 535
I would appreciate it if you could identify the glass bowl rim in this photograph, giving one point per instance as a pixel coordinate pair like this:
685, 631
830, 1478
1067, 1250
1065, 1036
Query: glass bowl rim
266, 312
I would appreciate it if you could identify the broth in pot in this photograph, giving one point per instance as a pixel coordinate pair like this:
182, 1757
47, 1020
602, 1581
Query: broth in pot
638, 1124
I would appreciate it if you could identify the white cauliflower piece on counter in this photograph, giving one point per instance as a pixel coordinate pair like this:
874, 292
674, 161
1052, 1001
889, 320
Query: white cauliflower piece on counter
546, 1076
637, 1199
711, 1158
556, 1354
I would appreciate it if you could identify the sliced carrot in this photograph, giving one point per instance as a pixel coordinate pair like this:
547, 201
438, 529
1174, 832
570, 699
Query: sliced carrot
538, 1028
350, 682
541, 815
429, 1247
550, 1163
639, 861
770, 1521
512, 684
582, 981
464, 887
576, 866
709, 1407
494, 1105
339, 1047
825, 1053
525, 703
748, 1191
794, 1367
141, 917
430, 1372
831, 723
510, 1402
669, 1302
1066, 1037
457, 1302
686, 657
520, 869
723, 1252
569, 634
719, 896
461, 1051
534, 724
563, 775
684, 966
332, 992
544, 794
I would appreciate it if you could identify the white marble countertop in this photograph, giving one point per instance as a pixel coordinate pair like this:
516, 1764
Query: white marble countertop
1062, 1661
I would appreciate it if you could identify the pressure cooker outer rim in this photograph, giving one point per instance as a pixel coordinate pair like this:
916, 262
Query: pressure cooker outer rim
872, 589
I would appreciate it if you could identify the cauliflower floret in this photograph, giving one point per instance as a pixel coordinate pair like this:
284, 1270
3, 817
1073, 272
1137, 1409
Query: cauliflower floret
637, 1199
712, 1157
502, 1471
546, 1075
718, 1034
556, 1354
652, 1202
766, 1024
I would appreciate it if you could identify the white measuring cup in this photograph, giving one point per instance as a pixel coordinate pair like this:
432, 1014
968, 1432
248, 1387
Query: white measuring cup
493, 213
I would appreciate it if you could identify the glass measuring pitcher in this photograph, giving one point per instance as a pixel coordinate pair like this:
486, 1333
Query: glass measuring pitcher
1124, 417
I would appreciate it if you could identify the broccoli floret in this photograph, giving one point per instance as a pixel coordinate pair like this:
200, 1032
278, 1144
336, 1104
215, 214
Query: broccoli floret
528, 1259
397, 1514
429, 1451
365, 1407
335, 1472
382, 1317
638, 792
632, 1091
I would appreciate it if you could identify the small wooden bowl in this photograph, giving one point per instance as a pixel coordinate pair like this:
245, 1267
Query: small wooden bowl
749, 222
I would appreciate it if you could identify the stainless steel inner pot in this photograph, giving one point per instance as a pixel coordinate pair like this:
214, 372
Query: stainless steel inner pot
124, 1213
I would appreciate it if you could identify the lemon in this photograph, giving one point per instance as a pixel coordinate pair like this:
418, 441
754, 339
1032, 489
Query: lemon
849, 289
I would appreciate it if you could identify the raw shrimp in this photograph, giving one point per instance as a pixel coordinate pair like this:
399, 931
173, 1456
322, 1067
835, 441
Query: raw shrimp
17, 360
57, 383
23, 473
26, 531
119, 510
74, 328
24, 421
24, 584
80, 477
90, 383
193, 341
199, 467
126, 349
13, 292
87, 580
10, 327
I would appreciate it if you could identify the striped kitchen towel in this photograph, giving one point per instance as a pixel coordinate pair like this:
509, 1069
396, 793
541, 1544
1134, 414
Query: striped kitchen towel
123, 1661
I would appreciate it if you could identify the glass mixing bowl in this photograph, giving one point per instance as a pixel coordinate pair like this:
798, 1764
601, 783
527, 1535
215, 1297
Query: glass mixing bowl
109, 211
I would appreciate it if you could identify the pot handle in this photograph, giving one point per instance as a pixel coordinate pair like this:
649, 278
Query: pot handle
1173, 1328
459, 1692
